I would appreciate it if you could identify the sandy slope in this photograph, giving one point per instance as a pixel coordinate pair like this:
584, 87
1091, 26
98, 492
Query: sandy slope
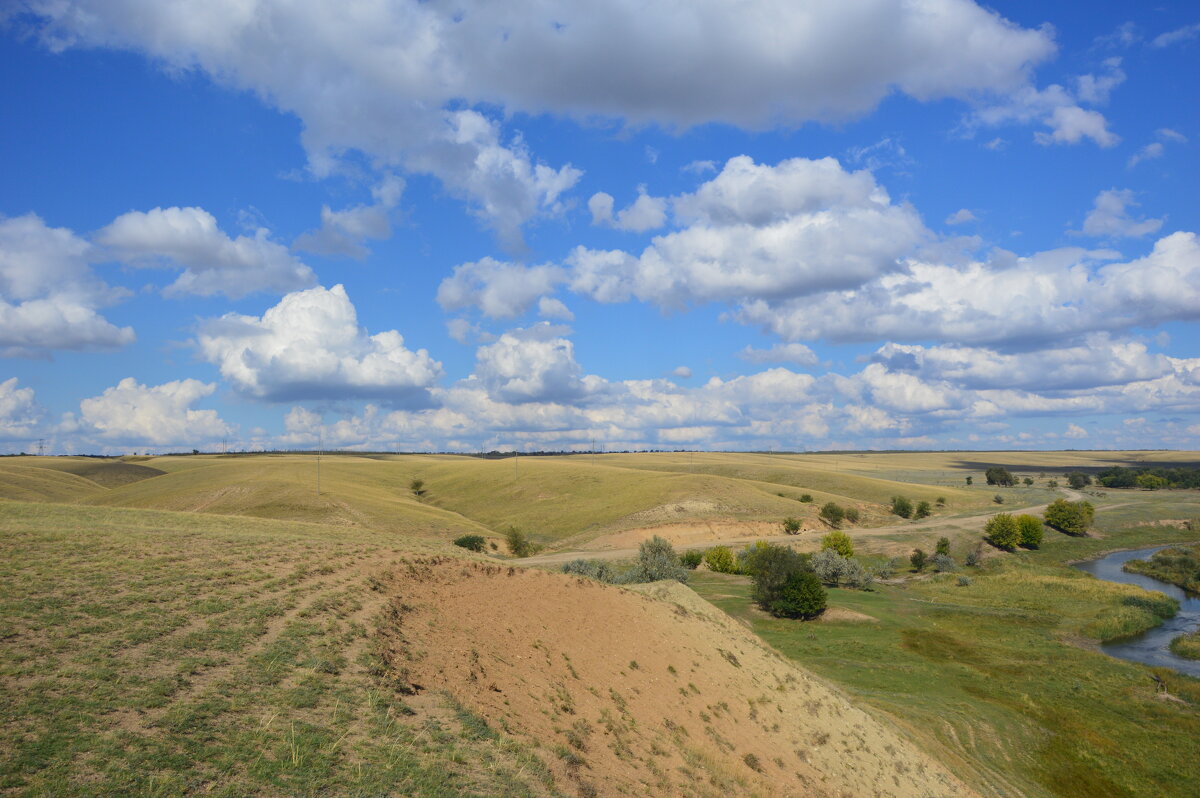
624, 693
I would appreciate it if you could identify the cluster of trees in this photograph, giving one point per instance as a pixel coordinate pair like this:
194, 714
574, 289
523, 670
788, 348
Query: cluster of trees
904, 507
1149, 478
1005, 531
999, 476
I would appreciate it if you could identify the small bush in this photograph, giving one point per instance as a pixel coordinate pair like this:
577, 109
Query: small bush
852, 515
918, 559
801, 596
943, 546
806, 498
1030, 530
417, 486
691, 559
974, 557
471, 542
657, 561
791, 525
923, 510
721, 560
1027, 481
970, 480
518, 544
833, 514
839, 542
1001, 531
1078, 480
998, 499
964, 580
593, 569
1052, 483
902, 507
829, 566
942, 563
941, 501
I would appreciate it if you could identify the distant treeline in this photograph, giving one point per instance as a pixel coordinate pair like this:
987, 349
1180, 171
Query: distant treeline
1121, 477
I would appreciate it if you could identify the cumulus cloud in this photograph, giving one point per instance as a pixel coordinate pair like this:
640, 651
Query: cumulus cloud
682, 372
644, 213
535, 364
390, 79
1075, 431
754, 230
212, 262
49, 295
1155, 149
501, 290
134, 414
19, 411
799, 354
309, 346
345, 232
550, 308
1109, 218
1028, 300
961, 216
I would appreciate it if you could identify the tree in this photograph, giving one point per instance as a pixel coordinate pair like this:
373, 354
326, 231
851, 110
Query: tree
902, 507
1053, 483
970, 480
801, 596
923, 510
999, 476
1030, 530
943, 546
1151, 481
657, 561
721, 560
839, 542
791, 525
1027, 481
771, 567
417, 486
1001, 531
518, 544
829, 566
806, 498
1073, 518
1078, 480
833, 514
471, 542
917, 559
852, 515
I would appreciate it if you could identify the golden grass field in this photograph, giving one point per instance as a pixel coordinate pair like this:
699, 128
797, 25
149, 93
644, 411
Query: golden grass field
206, 624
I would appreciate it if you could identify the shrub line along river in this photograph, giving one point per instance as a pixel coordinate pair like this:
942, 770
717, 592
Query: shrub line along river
1149, 647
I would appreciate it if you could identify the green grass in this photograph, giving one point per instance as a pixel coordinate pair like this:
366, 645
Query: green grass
156, 653
1002, 677
1179, 565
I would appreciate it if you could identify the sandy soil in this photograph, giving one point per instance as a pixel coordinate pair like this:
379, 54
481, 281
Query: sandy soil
641, 693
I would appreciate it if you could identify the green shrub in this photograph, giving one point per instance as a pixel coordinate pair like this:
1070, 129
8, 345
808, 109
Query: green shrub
1027, 481
791, 525
721, 560
833, 514
772, 566
964, 580
1001, 531
417, 486
1078, 480
974, 557
1072, 518
852, 515
471, 542
829, 566
518, 544
943, 546
918, 559
801, 596
999, 476
923, 510
806, 498
941, 501
657, 561
998, 499
691, 559
593, 569
902, 507
1030, 531
942, 563
839, 542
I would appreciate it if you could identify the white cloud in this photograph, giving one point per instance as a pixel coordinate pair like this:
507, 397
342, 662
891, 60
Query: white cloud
1095, 89
1007, 299
534, 364
799, 354
601, 206
1058, 109
961, 216
213, 263
49, 296
796, 228
500, 290
19, 411
162, 415
682, 372
1151, 151
309, 346
1183, 34
1075, 431
1110, 218
1167, 134
344, 232
389, 79
550, 308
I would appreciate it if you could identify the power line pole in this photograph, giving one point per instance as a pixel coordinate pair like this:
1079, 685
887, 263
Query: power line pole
41, 447
320, 445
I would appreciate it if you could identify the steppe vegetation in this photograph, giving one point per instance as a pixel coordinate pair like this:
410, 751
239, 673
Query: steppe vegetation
207, 624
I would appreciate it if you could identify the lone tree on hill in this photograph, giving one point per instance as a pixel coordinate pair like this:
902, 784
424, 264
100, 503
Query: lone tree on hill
833, 514
999, 476
791, 526
1078, 480
1073, 518
902, 507
417, 486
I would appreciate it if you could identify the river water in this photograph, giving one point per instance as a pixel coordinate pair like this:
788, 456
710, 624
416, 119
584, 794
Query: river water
1150, 647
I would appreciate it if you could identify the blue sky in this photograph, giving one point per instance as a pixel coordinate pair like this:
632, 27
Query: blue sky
771, 226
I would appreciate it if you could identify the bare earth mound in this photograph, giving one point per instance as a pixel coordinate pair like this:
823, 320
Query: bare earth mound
622, 693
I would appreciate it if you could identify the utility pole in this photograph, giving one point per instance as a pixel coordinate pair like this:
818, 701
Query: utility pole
41, 447
593, 450
320, 445
516, 468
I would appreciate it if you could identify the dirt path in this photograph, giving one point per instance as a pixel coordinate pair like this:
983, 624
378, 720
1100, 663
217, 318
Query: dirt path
961, 523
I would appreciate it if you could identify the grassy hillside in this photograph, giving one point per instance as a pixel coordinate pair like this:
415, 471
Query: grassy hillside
24, 483
170, 654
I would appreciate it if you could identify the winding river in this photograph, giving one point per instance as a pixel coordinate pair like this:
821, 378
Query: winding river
1151, 646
